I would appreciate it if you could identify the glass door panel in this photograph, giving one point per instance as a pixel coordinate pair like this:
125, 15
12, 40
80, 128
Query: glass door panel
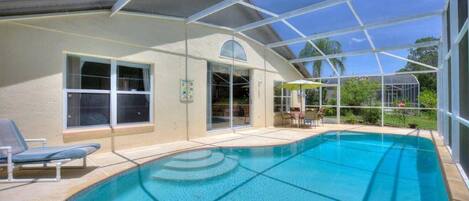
228, 97
241, 97
218, 97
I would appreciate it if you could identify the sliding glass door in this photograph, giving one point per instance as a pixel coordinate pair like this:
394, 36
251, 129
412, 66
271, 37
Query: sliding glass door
228, 99
218, 98
240, 97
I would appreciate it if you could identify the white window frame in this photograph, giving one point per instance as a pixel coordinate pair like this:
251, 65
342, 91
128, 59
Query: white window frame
283, 106
113, 92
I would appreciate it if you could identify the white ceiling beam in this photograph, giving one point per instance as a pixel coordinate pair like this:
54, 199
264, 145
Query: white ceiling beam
118, 6
367, 35
462, 32
331, 56
265, 12
258, 8
378, 75
314, 37
312, 44
404, 19
364, 52
52, 15
409, 60
292, 28
290, 14
381, 69
355, 29
210, 10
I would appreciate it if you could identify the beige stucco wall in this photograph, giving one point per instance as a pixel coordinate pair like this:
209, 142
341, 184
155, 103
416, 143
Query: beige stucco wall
32, 62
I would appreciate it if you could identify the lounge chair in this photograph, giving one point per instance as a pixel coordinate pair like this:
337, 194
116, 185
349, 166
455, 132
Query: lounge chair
15, 152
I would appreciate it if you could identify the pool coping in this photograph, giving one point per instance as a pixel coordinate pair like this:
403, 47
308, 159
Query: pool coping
455, 184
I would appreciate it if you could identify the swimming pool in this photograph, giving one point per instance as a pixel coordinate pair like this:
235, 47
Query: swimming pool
332, 166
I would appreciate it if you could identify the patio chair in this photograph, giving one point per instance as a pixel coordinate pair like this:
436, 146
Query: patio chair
15, 152
286, 116
321, 115
311, 117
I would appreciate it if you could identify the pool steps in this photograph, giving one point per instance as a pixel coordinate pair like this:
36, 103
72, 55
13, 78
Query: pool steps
191, 156
195, 166
214, 159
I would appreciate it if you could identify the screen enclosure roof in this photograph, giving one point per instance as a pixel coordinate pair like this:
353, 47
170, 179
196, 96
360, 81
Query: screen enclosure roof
321, 38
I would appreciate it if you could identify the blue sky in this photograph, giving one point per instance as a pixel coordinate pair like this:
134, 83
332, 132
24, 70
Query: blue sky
340, 16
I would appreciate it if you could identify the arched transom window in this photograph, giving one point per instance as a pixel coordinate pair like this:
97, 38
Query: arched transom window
232, 49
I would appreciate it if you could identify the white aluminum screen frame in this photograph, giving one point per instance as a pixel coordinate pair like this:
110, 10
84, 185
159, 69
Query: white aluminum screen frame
362, 27
444, 111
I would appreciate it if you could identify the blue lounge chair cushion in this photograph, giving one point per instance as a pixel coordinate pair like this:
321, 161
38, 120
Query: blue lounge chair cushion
41, 154
11, 136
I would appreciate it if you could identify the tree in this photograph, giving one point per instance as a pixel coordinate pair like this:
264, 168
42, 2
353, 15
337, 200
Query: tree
312, 96
428, 99
327, 46
426, 55
358, 91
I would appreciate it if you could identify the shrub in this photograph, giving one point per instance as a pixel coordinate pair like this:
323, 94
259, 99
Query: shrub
428, 100
350, 118
330, 112
371, 116
332, 101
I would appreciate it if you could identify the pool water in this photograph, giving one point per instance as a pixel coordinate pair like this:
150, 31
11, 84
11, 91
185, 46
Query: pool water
333, 166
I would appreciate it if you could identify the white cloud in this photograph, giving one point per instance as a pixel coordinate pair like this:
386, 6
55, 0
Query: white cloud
358, 40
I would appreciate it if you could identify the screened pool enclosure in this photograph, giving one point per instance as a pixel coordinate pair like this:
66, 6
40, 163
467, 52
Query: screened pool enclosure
393, 44
342, 43
382, 62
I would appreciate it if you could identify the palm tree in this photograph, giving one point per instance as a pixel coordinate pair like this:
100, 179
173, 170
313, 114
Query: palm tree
327, 46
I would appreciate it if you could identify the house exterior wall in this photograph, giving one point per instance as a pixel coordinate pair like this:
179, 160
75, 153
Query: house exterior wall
32, 63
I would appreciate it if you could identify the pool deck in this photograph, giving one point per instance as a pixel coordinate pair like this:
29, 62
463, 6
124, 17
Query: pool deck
104, 165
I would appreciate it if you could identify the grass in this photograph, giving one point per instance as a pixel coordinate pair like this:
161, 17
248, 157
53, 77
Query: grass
423, 120
356, 119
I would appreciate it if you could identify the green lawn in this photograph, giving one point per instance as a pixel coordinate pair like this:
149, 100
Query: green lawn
357, 119
423, 120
